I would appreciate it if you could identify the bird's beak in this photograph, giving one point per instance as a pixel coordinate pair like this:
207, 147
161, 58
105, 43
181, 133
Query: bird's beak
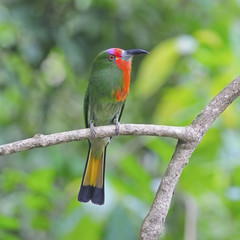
128, 54
134, 52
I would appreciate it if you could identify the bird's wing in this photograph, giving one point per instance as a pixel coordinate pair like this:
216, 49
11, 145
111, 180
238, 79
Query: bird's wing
121, 111
86, 105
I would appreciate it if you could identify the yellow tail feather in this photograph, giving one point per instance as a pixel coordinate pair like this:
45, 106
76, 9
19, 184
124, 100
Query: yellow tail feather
94, 171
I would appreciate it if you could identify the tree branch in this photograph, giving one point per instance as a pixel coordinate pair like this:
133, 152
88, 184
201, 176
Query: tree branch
153, 224
40, 140
188, 139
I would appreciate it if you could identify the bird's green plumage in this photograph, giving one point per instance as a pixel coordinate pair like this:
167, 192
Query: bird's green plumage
104, 101
102, 107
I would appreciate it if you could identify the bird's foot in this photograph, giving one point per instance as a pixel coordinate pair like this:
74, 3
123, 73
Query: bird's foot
93, 132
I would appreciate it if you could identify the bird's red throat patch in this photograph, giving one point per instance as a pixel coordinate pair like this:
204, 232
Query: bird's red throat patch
125, 67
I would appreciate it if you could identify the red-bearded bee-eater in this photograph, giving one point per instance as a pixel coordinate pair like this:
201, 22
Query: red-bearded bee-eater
103, 105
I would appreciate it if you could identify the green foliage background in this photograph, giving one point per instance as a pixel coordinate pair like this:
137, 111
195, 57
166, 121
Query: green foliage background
46, 50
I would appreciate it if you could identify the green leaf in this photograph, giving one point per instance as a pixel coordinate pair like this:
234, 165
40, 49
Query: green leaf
208, 37
155, 68
134, 180
177, 106
8, 236
41, 180
36, 201
164, 149
41, 222
87, 229
133, 169
9, 223
11, 178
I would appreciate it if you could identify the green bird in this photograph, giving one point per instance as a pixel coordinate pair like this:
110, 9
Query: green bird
103, 105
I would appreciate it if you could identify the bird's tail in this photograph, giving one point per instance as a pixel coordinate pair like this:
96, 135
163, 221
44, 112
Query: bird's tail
92, 187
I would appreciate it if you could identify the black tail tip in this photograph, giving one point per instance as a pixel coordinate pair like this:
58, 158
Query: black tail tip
95, 194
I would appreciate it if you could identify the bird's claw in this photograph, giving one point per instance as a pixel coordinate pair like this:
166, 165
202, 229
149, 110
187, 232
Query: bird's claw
93, 132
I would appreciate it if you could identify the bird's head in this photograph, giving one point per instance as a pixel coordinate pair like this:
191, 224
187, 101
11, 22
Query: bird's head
117, 56
109, 62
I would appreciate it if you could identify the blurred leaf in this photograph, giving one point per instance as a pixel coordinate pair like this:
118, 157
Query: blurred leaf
8, 236
230, 117
7, 35
236, 176
36, 201
11, 178
135, 181
118, 226
41, 222
9, 223
155, 68
87, 228
41, 180
208, 37
208, 149
133, 169
164, 150
173, 110
205, 179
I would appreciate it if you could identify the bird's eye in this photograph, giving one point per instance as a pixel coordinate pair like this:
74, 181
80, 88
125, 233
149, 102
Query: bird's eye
111, 57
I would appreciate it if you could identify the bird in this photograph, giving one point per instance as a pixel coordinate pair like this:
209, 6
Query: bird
104, 101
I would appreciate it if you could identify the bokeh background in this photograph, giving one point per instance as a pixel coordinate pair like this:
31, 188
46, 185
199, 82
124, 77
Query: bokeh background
46, 51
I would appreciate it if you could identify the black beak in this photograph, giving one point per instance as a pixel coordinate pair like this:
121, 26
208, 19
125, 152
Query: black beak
133, 52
